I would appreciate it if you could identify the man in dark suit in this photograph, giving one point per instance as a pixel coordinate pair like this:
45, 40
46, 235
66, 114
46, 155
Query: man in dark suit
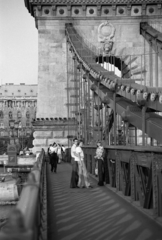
53, 161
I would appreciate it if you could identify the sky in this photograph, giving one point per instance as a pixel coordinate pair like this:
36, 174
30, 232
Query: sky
18, 44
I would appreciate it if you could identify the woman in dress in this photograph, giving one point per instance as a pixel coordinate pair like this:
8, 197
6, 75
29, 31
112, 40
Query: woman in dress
82, 171
100, 163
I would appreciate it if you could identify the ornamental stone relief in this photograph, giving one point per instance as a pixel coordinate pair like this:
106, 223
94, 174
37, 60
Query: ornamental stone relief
106, 32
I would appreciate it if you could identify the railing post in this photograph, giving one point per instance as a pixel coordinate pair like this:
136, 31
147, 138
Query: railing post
114, 100
143, 124
127, 133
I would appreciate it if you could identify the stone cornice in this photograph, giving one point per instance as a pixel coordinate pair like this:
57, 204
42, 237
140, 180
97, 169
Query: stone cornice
90, 2
30, 4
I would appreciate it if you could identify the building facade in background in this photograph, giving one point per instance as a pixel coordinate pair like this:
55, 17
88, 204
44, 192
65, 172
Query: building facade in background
18, 106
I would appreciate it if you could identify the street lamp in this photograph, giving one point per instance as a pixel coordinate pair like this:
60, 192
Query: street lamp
14, 126
11, 125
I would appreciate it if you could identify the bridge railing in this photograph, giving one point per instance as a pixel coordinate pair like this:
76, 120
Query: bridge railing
29, 218
135, 171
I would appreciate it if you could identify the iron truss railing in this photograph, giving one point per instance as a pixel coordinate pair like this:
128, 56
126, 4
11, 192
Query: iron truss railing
29, 218
134, 171
136, 104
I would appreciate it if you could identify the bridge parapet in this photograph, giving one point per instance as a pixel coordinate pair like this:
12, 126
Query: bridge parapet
29, 218
135, 171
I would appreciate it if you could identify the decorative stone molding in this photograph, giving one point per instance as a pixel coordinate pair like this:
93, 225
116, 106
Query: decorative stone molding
91, 8
106, 33
90, 2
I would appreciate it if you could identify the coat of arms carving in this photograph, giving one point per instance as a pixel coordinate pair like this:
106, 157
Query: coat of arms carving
106, 33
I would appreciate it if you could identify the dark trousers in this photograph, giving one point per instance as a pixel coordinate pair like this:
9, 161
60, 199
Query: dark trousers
74, 174
54, 165
100, 172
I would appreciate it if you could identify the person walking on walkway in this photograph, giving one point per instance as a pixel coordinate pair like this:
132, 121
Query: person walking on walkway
82, 171
74, 161
100, 162
63, 152
59, 153
53, 157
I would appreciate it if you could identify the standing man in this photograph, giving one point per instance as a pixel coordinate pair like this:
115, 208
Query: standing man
74, 161
54, 157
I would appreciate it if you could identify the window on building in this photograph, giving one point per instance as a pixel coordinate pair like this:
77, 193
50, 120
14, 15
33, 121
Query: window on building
19, 115
1, 114
10, 115
27, 123
28, 114
9, 103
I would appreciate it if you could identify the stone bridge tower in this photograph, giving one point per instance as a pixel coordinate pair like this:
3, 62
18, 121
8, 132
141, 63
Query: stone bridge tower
88, 17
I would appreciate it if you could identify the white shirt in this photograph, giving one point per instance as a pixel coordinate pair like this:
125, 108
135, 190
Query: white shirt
73, 150
52, 149
79, 151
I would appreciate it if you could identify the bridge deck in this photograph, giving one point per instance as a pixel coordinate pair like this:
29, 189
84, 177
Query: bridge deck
93, 214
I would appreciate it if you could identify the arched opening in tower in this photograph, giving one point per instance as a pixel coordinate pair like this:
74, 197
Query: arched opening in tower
114, 64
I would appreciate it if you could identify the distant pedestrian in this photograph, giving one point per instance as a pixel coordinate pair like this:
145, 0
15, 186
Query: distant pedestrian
53, 157
48, 152
74, 161
100, 163
63, 152
59, 153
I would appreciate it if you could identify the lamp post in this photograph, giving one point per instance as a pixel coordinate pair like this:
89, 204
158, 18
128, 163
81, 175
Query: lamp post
14, 140
11, 125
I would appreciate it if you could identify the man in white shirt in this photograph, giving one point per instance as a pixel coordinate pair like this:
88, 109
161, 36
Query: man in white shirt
74, 161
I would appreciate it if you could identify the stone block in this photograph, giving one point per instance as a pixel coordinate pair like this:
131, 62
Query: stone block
42, 134
62, 141
58, 134
36, 149
40, 142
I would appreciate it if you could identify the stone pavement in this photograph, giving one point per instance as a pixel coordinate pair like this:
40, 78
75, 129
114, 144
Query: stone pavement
93, 214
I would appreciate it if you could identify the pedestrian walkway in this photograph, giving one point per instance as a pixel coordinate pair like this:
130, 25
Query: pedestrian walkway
93, 214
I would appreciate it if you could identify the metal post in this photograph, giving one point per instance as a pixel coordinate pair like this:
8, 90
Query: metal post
98, 110
150, 65
143, 124
67, 66
107, 121
114, 101
79, 116
127, 133
144, 60
156, 67
93, 103
135, 131
81, 99
88, 125
84, 97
